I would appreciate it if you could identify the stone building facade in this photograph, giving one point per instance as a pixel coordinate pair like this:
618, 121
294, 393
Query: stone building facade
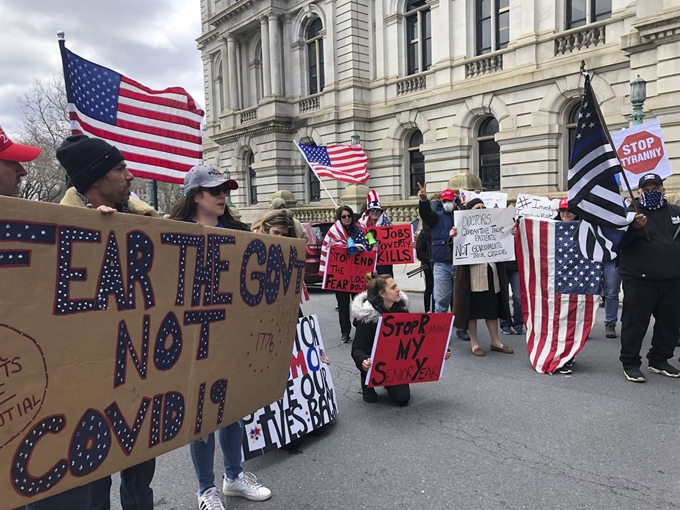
432, 87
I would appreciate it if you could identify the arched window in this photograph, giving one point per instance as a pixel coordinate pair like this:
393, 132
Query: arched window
218, 86
315, 63
418, 36
259, 77
582, 12
416, 162
489, 154
314, 189
571, 126
493, 25
252, 178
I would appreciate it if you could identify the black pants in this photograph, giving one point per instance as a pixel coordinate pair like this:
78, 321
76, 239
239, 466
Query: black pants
399, 394
344, 299
429, 285
640, 302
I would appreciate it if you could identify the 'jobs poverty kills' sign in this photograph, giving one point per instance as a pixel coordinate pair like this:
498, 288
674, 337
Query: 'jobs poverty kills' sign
395, 244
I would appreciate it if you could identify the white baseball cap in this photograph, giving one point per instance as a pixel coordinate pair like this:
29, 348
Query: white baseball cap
201, 176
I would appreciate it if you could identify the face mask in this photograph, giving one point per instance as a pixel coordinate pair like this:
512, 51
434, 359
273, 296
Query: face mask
448, 206
652, 200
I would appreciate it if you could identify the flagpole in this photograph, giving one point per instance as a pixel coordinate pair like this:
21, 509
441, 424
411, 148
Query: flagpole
315, 174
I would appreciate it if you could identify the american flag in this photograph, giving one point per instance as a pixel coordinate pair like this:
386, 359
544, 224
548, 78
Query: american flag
559, 291
593, 189
335, 235
158, 131
345, 163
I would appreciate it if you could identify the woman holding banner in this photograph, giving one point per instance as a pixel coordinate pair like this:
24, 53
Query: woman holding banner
206, 203
344, 232
375, 216
481, 292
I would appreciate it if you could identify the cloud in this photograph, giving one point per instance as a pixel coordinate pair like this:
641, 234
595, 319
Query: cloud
150, 41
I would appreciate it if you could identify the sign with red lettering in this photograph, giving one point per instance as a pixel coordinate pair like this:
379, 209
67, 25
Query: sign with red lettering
395, 244
409, 348
641, 150
123, 337
345, 272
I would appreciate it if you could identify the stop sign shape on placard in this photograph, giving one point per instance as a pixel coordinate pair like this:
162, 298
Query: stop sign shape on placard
641, 152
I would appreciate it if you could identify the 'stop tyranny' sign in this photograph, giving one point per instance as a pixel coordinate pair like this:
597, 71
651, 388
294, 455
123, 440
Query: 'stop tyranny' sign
124, 337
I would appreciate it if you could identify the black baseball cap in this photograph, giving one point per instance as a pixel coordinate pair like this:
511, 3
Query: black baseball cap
650, 178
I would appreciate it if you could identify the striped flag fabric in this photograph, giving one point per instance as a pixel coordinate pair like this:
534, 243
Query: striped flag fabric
158, 131
560, 291
345, 163
335, 235
593, 187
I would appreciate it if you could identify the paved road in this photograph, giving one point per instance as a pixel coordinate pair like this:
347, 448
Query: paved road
493, 434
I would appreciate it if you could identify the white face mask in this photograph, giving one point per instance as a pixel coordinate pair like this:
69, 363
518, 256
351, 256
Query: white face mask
448, 206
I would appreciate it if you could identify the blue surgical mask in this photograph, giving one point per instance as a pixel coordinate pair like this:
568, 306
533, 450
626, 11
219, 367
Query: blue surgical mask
652, 200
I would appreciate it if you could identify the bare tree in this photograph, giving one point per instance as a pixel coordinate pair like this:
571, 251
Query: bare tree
45, 124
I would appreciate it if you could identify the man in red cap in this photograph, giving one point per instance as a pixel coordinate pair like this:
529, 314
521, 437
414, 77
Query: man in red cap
11, 170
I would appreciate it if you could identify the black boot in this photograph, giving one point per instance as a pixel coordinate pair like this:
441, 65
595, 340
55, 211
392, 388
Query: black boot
369, 394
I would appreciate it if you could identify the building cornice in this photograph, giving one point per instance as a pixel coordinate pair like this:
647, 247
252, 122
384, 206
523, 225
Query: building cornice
224, 14
207, 38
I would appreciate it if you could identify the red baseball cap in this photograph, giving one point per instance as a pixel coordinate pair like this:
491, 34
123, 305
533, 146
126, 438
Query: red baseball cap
564, 203
10, 151
448, 194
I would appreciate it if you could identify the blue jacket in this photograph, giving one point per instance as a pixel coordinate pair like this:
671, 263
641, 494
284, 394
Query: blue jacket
440, 223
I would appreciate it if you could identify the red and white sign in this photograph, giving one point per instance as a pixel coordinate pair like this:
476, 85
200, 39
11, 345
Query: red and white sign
641, 150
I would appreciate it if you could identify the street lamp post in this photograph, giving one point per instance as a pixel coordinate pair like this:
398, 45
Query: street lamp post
638, 95
355, 140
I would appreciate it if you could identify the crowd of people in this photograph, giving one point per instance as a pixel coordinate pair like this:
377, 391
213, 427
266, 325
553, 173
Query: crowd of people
647, 265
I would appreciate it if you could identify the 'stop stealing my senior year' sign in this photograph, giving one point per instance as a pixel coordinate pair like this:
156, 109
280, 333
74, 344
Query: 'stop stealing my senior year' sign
123, 337
483, 235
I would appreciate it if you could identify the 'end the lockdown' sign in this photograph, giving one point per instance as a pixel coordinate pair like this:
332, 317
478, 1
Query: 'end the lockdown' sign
641, 150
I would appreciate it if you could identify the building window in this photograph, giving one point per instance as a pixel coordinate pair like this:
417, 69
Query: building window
489, 155
493, 25
416, 162
314, 190
218, 89
259, 76
418, 37
582, 12
571, 126
252, 179
315, 63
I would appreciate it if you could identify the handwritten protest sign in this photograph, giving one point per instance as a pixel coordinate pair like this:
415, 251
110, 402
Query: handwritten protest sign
409, 348
395, 244
532, 206
484, 235
344, 272
127, 337
309, 400
491, 199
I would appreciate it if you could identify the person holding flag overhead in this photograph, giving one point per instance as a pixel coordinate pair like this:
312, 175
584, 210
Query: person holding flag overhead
375, 216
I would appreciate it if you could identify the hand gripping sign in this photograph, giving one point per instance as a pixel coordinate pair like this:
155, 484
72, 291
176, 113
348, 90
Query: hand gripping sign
395, 244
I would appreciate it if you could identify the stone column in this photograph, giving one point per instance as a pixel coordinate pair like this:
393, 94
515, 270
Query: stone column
266, 65
233, 76
275, 51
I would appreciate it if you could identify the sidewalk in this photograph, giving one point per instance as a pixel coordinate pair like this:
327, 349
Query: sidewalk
414, 284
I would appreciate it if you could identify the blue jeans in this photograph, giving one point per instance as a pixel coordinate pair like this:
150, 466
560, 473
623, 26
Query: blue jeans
74, 499
611, 285
135, 488
517, 318
443, 273
203, 455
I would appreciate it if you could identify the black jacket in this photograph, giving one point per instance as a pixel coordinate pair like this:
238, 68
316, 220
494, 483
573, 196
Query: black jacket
365, 314
424, 244
656, 261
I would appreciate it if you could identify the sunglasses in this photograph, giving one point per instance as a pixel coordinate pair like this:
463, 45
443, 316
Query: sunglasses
345, 217
215, 191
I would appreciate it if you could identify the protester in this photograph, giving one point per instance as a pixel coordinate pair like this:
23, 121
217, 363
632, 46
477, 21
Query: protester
280, 203
382, 295
648, 264
375, 216
481, 292
99, 177
279, 222
424, 254
517, 326
442, 262
205, 203
341, 231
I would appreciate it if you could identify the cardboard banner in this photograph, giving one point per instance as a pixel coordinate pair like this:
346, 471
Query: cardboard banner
345, 273
123, 337
532, 206
484, 235
395, 244
308, 402
491, 199
409, 348
641, 150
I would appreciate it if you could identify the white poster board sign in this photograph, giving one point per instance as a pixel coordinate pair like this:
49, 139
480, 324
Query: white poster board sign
491, 199
484, 235
533, 206
641, 150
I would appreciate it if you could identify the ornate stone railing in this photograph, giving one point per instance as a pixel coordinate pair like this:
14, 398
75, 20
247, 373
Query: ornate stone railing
398, 213
484, 65
309, 104
248, 115
578, 39
314, 213
411, 85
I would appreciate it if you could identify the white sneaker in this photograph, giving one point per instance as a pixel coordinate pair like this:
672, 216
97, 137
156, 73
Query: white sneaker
247, 487
211, 500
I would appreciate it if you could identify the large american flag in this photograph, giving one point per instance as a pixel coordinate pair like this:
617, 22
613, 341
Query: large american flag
559, 291
335, 235
158, 131
345, 163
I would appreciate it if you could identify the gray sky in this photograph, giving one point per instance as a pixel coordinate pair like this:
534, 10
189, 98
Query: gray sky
151, 41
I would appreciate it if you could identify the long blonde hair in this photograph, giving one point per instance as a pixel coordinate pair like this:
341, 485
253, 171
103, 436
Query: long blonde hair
281, 218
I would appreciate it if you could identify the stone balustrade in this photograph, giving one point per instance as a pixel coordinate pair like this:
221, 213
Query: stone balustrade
578, 39
309, 104
411, 84
248, 115
484, 65
399, 212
